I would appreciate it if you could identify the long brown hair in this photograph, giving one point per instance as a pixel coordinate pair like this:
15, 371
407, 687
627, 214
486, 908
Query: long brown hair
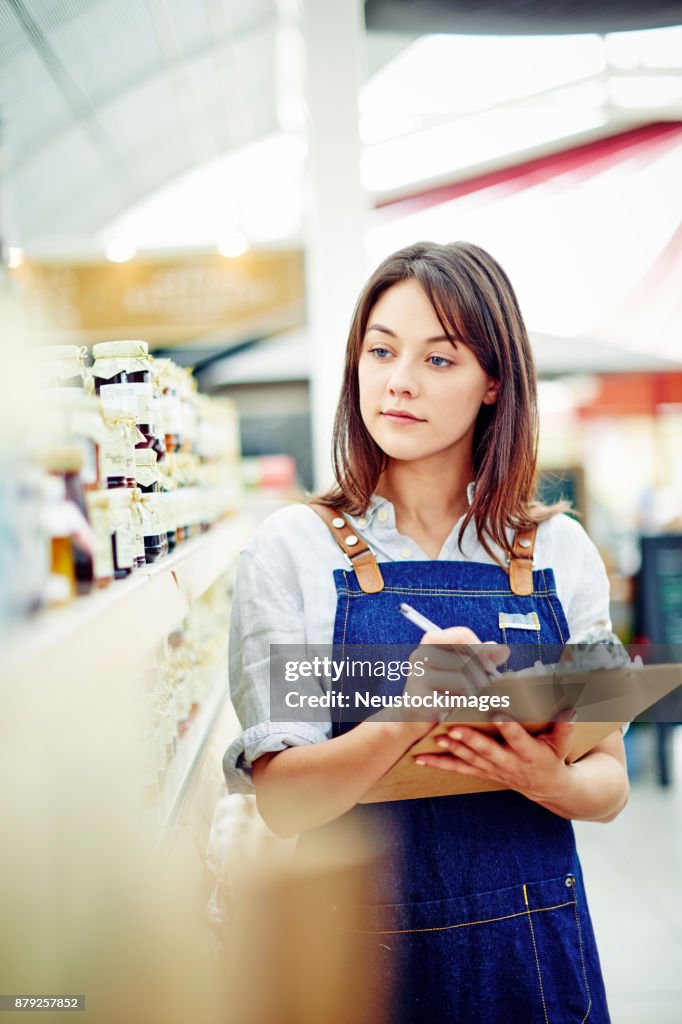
476, 305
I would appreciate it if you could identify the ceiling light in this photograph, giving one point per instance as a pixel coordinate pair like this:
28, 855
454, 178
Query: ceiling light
233, 245
15, 257
120, 250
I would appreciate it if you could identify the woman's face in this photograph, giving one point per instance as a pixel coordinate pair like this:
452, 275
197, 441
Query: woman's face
419, 394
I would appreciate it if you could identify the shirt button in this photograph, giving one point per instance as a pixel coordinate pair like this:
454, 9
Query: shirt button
362, 522
406, 553
382, 515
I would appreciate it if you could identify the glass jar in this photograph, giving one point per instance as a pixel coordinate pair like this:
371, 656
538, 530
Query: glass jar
159, 444
166, 373
60, 584
137, 510
149, 484
165, 500
117, 452
97, 503
78, 418
121, 531
61, 367
122, 374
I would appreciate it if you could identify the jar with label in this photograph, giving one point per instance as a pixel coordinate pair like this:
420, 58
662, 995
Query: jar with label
166, 372
149, 484
117, 452
97, 503
159, 408
122, 373
79, 418
121, 530
137, 510
61, 367
66, 463
166, 515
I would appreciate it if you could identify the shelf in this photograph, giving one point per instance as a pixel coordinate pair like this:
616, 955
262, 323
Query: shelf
126, 620
187, 756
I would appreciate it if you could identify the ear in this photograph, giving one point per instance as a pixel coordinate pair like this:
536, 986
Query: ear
490, 397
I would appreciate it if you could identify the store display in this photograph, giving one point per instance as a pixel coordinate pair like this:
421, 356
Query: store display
145, 460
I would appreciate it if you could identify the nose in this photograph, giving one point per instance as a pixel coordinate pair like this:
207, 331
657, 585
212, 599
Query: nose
402, 380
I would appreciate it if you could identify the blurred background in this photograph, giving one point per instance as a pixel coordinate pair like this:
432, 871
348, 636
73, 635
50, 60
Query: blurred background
216, 180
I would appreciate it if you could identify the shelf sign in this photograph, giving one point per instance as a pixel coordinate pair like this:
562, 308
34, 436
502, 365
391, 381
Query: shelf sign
202, 297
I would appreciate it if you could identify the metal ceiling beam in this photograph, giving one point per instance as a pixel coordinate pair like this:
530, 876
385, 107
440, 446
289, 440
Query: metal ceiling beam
520, 17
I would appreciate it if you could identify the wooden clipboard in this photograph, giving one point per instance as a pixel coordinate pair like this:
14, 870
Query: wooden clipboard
617, 694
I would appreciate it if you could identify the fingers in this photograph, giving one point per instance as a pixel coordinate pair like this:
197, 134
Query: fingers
452, 635
448, 763
476, 748
517, 738
560, 739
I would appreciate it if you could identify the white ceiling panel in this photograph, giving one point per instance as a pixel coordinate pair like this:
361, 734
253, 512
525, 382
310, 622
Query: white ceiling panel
108, 47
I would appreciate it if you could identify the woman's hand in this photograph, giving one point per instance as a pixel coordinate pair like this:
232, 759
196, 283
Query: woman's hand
454, 661
594, 788
533, 766
444, 669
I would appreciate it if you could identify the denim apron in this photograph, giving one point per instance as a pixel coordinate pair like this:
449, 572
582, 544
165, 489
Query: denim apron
478, 910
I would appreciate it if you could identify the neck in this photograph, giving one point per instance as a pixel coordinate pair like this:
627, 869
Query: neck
429, 490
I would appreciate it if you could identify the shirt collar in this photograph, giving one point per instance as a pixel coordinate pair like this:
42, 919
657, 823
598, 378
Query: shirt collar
377, 502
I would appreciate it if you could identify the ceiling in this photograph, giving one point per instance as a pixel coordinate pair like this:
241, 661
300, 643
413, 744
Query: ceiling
105, 102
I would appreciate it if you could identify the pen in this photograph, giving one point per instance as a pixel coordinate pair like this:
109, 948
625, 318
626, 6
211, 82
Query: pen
418, 619
481, 676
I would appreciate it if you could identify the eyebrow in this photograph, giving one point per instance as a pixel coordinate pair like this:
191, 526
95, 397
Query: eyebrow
392, 334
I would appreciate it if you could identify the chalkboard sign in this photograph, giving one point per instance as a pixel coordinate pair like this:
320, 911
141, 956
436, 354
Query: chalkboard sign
659, 589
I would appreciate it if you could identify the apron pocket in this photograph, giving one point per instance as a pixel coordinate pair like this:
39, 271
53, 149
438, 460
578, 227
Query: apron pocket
514, 955
522, 633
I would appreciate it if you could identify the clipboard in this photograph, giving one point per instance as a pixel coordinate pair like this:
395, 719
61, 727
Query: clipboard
603, 700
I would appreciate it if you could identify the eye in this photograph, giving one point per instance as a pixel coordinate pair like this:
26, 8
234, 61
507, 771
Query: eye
439, 361
380, 352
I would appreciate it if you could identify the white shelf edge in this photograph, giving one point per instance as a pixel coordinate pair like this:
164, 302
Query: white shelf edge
168, 803
55, 640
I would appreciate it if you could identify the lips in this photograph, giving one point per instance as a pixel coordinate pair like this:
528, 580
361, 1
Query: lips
400, 414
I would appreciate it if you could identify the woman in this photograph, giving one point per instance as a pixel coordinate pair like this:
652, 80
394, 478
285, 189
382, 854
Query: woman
483, 912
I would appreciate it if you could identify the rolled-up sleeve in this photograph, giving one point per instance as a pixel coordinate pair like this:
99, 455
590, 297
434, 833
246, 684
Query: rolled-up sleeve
266, 610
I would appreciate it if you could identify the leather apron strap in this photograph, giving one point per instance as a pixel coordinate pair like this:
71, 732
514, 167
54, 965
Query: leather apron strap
360, 556
364, 563
521, 562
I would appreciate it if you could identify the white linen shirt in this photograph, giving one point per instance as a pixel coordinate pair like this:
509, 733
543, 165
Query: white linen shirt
285, 594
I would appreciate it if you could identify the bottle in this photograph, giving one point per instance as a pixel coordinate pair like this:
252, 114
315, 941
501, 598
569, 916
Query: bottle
122, 373
66, 463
